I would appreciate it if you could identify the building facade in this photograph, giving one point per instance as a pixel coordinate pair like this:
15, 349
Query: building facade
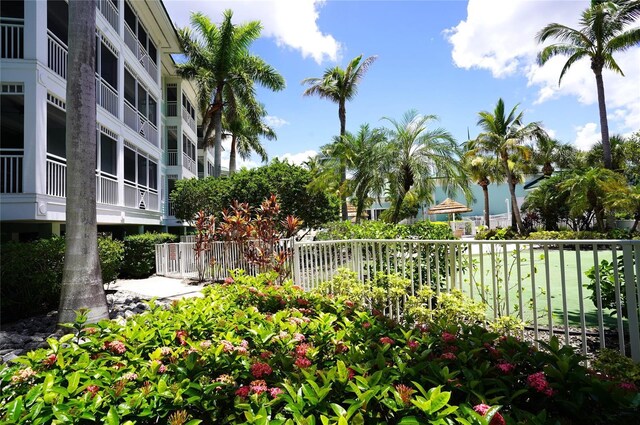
146, 123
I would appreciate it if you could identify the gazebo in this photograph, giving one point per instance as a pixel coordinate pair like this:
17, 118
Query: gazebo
451, 207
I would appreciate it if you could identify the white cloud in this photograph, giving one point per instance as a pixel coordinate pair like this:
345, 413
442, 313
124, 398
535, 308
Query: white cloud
298, 158
275, 122
587, 136
499, 36
291, 23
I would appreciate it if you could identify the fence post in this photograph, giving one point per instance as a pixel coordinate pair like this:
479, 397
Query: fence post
631, 290
296, 263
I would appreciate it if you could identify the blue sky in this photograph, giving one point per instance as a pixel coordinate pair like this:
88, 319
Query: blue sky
448, 58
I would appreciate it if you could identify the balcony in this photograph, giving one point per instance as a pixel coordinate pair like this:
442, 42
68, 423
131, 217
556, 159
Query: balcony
106, 189
106, 96
11, 171
140, 124
140, 53
172, 109
172, 157
110, 12
12, 38
189, 164
57, 55
140, 197
56, 176
189, 120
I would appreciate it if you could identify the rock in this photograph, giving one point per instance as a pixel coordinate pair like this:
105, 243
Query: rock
11, 356
128, 314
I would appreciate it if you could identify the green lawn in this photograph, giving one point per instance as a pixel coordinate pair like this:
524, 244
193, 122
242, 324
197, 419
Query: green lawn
553, 285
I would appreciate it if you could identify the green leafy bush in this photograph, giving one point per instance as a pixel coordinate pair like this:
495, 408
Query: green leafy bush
31, 274
422, 230
254, 352
499, 234
140, 253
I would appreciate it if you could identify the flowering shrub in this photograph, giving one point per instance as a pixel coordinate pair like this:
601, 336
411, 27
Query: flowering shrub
252, 351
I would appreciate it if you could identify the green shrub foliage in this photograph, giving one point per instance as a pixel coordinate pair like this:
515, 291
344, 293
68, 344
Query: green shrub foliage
31, 274
380, 230
258, 353
140, 253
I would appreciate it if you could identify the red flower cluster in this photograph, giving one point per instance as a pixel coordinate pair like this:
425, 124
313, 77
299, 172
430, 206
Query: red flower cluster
386, 340
497, 418
448, 356
405, 393
116, 347
351, 373
538, 382
50, 360
181, 336
505, 368
257, 387
448, 337
260, 369
92, 389
303, 362
413, 345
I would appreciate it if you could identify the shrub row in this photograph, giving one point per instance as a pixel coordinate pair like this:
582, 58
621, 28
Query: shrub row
509, 234
253, 352
31, 273
381, 230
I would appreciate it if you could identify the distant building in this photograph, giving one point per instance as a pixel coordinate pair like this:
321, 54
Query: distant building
146, 124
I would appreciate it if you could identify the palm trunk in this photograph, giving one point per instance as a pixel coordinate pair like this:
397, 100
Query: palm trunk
604, 125
217, 141
342, 114
512, 192
232, 155
485, 192
82, 279
396, 209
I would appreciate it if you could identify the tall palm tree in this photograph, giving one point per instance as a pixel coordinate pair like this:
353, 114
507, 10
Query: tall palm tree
547, 152
218, 59
483, 170
418, 159
504, 136
603, 31
340, 85
81, 278
245, 135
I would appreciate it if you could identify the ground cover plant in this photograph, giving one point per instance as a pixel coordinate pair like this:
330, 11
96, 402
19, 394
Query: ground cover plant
251, 351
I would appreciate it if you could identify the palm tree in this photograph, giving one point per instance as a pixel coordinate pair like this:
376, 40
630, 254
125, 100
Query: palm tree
627, 201
483, 170
604, 30
592, 190
503, 136
418, 159
225, 72
81, 279
245, 135
547, 152
340, 85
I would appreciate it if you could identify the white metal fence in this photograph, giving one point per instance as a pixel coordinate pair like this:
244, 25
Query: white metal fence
552, 286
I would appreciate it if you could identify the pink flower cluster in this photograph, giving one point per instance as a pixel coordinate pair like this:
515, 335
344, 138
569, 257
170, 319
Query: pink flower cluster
303, 362
161, 368
241, 349
413, 345
497, 418
257, 387
116, 347
181, 336
50, 360
448, 356
538, 382
505, 368
448, 338
23, 375
92, 389
260, 369
627, 386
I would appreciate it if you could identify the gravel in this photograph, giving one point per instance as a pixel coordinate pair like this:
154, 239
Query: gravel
29, 334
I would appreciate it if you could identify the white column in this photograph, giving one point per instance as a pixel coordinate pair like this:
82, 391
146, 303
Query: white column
120, 170
35, 31
35, 135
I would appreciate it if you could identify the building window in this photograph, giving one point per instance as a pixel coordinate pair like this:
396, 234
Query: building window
188, 107
56, 131
58, 19
12, 117
138, 30
138, 96
108, 154
12, 45
140, 169
188, 147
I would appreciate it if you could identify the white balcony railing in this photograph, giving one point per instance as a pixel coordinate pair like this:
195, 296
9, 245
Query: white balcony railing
11, 172
106, 189
172, 157
56, 176
140, 197
109, 11
57, 55
140, 53
140, 124
12, 38
106, 96
188, 119
172, 109
189, 163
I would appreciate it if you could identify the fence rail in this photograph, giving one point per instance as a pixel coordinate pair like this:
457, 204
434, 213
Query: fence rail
106, 96
57, 56
11, 172
109, 11
553, 286
12, 38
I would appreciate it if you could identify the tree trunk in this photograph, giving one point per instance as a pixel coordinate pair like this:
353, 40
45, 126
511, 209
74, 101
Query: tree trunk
342, 114
396, 210
485, 192
82, 279
512, 192
232, 155
217, 128
604, 125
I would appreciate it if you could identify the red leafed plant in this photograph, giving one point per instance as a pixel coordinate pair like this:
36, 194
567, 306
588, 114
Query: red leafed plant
205, 231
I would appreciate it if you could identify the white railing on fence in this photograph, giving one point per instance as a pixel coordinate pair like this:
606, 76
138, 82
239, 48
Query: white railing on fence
109, 11
555, 287
11, 172
12, 38
140, 124
56, 176
189, 163
57, 57
140, 197
188, 119
172, 157
107, 189
106, 96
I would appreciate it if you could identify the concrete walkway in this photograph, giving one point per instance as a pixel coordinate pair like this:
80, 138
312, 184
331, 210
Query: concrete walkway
160, 287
